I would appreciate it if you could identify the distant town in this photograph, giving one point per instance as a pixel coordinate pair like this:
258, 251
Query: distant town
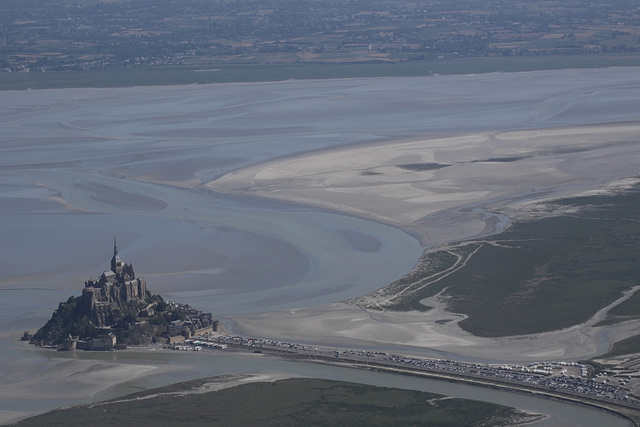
83, 35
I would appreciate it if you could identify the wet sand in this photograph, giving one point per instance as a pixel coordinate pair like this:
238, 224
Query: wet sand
55, 382
404, 183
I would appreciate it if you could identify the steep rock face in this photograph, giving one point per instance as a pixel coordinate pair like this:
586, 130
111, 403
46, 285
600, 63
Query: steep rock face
69, 319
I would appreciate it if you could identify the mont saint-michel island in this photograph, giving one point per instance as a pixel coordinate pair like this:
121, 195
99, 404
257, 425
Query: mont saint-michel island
116, 310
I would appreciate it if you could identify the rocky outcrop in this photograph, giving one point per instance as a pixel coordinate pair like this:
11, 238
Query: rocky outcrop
118, 307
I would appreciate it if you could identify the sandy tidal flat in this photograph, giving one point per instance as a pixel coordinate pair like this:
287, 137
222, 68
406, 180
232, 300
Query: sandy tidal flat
404, 183
443, 189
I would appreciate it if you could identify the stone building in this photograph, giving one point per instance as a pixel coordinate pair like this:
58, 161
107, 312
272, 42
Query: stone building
103, 342
111, 293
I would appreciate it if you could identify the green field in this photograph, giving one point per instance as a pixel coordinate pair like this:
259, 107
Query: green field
296, 402
538, 275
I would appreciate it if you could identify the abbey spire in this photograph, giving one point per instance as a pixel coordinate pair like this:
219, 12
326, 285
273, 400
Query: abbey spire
116, 262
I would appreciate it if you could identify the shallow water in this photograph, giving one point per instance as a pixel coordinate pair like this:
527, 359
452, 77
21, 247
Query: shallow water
93, 148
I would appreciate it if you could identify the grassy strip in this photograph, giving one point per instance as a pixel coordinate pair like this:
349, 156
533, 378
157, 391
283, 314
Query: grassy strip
306, 402
225, 72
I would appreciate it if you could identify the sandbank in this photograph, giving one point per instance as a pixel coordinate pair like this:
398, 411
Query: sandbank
443, 190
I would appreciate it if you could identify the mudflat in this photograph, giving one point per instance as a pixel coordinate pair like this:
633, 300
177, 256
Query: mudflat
424, 161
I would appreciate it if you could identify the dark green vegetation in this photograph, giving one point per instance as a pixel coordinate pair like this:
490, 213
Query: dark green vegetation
131, 325
298, 402
156, 42
538, 275
68, 319
229, 72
